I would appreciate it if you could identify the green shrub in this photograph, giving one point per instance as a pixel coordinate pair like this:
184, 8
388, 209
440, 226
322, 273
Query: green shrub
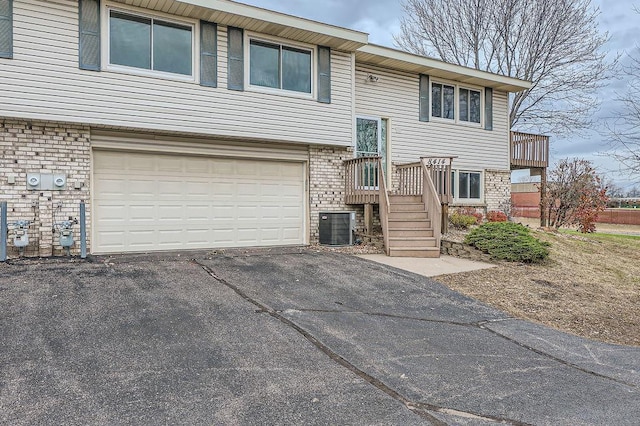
471, 211
508, 241
462, 221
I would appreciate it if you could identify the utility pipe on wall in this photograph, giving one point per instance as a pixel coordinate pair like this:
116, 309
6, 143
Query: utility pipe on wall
3, 231
83, 231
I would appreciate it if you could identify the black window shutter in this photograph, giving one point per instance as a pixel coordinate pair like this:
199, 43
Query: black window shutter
208, 54
424, 97
6, 28
324, 74
89, 52
488, 108
235, 40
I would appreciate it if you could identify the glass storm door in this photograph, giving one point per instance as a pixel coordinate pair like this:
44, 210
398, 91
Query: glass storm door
371, 141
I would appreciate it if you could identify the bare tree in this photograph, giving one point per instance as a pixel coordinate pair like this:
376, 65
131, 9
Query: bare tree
625, 131
556, 44
575, 195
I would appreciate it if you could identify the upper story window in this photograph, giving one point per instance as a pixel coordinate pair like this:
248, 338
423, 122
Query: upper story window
278, 66
6, 28
456, 103
443, 101
469, 101
150, 44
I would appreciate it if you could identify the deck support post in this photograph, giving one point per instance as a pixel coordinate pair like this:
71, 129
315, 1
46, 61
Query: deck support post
445, 218
368, 219
543, 197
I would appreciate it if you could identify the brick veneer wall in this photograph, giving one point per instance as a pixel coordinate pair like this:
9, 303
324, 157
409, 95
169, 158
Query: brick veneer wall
44, 147
497, 190
326, 185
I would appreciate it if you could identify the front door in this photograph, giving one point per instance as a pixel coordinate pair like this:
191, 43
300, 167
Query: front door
371, 141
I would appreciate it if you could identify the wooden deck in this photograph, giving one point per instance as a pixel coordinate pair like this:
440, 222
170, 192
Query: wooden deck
529, 151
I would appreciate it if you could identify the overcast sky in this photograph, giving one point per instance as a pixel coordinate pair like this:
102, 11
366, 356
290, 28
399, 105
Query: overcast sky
381, 20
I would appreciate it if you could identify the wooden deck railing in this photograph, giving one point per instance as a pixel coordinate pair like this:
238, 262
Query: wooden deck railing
410, 179
385, 207
529, 150
431, 199
362, 180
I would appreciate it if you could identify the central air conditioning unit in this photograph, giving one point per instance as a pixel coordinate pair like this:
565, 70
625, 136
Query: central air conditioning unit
337, 228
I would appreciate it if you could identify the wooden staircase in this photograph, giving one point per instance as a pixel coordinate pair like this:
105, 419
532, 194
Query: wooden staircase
412, 213
410, 233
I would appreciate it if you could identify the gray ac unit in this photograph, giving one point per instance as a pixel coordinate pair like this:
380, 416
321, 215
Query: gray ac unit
337, 228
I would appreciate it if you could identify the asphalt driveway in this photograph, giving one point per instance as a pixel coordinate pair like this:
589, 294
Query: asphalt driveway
286, 337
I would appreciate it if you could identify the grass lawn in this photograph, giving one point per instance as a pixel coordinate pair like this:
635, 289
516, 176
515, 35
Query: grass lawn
589, 286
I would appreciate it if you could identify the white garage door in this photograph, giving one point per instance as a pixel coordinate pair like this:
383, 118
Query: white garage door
146, 202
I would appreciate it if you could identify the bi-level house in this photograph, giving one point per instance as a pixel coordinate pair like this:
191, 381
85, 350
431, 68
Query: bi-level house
200, 124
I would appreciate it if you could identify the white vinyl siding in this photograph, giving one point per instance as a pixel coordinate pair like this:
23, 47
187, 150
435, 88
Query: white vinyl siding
395, 96
147, 202
44, 82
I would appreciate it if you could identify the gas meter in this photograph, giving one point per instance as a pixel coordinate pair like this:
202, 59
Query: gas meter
65, 236
21, 233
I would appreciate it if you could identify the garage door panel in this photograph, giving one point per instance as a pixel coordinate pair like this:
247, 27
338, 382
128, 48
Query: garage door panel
291, 234
145, 202
197, 190
198, 213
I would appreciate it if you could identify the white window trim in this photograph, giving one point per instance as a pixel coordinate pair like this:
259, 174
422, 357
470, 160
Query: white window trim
106, 40
475, 89
355, 130
456, 186
249, 36
456, 99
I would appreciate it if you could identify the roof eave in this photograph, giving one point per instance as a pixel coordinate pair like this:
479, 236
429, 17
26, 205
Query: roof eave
404, 61
251, 18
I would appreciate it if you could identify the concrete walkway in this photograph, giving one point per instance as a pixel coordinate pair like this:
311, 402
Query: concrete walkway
428, 267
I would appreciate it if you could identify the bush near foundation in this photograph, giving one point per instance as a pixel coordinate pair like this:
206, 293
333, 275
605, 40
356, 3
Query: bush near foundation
470, 211
496, 216
462, 221
508, 241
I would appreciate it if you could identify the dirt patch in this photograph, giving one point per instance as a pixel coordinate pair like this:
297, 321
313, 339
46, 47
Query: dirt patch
355, 249
589, 286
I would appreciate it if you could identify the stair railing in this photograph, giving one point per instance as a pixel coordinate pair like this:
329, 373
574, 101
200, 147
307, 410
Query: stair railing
361, 180
409, 179
431, 200
384, 205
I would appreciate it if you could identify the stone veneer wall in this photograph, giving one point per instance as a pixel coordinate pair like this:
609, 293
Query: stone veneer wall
465, 251
44, 147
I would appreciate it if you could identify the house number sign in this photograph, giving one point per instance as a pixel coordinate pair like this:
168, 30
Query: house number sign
437, 161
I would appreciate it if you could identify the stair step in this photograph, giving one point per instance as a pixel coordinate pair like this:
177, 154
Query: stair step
409, 223
414, 242
407, 207
408, 215
430, 252
410, 232
395, 198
